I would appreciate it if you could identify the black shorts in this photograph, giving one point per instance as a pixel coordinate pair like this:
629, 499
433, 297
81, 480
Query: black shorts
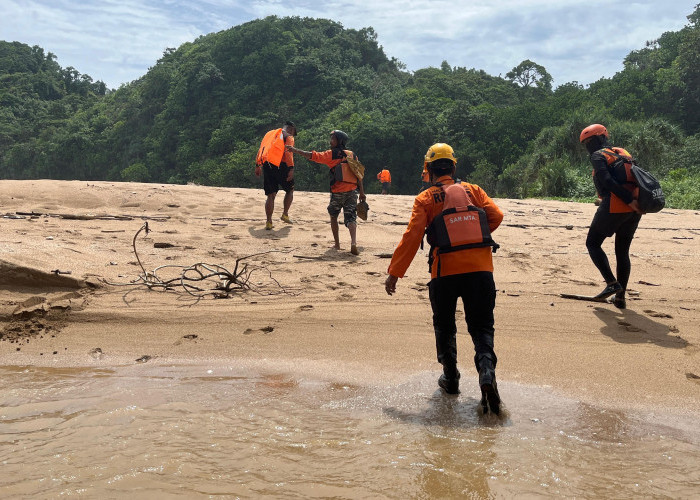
275, 178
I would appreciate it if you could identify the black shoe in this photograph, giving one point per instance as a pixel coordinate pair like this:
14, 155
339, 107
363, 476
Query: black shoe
490, 400
609, 290
449, 385
619, 300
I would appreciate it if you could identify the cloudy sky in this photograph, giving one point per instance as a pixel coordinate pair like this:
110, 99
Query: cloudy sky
116, 41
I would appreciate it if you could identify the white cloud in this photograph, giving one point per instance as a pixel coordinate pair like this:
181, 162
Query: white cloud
118, 40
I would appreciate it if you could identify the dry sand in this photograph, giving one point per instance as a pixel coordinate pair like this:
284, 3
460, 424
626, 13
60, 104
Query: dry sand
330, 316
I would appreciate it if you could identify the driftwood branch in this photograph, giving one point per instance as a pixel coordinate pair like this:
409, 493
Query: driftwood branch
203, 280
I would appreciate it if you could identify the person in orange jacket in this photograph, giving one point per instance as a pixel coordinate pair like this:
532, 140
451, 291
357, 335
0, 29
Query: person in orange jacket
463, 273
618, 212
385, 178
425, 179
276, 165
344, 185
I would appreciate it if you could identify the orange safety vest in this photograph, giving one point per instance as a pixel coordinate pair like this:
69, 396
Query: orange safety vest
384, 176
623, 174
344, 173
271, 148
430, 204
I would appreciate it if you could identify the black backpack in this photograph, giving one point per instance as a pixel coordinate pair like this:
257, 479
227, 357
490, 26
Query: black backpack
651, 197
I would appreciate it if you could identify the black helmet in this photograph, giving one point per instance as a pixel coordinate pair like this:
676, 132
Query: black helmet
341, 137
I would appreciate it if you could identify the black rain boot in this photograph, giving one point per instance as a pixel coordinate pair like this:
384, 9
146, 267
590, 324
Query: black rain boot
449, 380
490, 399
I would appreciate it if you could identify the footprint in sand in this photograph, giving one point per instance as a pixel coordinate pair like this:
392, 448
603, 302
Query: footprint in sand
306, 307
693, 377
373, 273
657, 314
342, 283
629, 327
264, 329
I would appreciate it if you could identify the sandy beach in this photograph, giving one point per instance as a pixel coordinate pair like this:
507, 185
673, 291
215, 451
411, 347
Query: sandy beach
73, 292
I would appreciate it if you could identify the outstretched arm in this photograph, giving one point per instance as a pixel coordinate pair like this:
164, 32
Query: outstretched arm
305, 154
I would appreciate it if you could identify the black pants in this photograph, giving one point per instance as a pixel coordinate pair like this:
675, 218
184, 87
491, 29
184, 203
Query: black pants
478, 293
603, 226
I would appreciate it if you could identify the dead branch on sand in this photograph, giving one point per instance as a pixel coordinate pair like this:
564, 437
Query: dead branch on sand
222, 283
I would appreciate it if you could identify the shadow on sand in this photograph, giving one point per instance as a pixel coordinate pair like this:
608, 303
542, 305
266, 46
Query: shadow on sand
629, 327
274, 233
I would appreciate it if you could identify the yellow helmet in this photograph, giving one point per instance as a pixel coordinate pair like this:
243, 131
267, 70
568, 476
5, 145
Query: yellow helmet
437, 152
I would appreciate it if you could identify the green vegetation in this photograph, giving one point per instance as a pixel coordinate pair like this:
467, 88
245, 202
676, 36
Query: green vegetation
199, 113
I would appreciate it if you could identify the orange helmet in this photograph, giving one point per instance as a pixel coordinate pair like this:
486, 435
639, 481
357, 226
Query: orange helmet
592, 131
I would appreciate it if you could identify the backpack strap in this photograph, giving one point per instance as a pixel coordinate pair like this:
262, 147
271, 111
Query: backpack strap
625, 158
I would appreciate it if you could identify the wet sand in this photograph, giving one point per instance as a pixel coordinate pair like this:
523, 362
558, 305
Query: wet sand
73, 293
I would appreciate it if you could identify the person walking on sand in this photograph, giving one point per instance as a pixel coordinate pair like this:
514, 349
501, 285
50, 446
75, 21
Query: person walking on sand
344, 185
461, 266
385, 178
277, 167
618, 212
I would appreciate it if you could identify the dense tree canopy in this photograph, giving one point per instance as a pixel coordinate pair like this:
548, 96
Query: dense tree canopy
199, 113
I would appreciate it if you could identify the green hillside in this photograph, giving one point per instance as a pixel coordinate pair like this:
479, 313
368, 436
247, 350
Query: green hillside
200, 111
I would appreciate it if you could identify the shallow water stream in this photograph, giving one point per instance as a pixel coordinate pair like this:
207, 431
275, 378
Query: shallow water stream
151, 431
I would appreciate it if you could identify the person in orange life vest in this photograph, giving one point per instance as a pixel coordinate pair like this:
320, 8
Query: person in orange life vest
618, 212
465, 274
385, 178
277, 166
344, 185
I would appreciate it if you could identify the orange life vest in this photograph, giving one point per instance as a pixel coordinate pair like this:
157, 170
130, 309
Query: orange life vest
271, 148
384, 176
342, 172
460, 226
621, 171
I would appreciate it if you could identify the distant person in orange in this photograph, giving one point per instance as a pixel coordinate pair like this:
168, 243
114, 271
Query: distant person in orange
344, 185
385, 178
277, 167
425, 179
462, 271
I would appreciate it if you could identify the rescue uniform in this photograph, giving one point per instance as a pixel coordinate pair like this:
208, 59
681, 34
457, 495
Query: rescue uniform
616, 189
465, 274
343, 183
